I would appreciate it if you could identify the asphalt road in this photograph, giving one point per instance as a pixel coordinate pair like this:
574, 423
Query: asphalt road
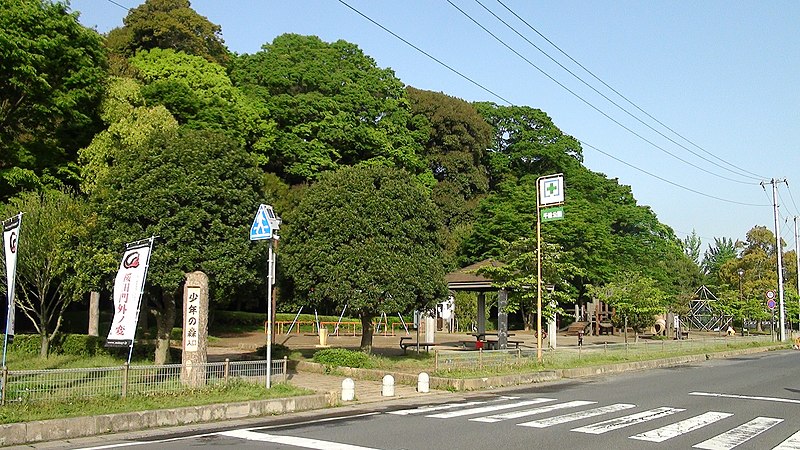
750, 402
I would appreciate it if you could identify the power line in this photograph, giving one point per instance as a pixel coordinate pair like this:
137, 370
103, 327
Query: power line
619, 94
668, 181
620, 107
603, 113
512, 104
426, 53
121, 6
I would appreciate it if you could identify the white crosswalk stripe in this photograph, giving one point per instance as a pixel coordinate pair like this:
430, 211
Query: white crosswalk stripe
682, 427
489, 408
571, 417
793, 443
740, 434
429, 409
531, 412
626, 421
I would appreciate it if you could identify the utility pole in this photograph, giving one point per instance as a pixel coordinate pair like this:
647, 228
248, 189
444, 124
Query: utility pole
779, 252
797, 256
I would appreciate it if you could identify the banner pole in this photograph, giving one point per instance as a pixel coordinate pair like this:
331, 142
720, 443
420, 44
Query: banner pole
10, 288
141, 292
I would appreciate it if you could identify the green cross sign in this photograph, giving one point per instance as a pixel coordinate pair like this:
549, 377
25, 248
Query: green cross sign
551, 190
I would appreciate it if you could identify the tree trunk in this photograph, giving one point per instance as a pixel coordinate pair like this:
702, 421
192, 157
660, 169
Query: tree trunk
165, 320
45, 348
366, 334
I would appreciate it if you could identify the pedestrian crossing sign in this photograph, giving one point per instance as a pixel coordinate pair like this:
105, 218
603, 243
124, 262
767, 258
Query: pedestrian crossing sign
261, 229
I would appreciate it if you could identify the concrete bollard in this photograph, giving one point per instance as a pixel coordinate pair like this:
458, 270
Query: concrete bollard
388, 386
348, 390
423, 382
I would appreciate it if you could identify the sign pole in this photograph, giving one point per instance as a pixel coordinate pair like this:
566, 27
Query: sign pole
265, 226
549, 191
269, 316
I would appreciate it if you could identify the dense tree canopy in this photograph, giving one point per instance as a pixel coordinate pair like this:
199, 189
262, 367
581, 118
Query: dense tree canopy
169, 24
197, 191
51, 78
366, 237
333, 107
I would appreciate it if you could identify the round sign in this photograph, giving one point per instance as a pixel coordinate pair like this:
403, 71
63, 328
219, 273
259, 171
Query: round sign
771, 303
770, 294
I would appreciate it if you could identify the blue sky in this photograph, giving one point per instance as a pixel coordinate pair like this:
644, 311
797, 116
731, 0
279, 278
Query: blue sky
723, 75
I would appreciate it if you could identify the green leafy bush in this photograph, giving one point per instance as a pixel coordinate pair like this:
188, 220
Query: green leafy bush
80, 345
278, 351
340, 357
28, 344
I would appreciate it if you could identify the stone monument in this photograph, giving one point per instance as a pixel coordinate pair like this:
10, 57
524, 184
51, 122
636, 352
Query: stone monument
195, 330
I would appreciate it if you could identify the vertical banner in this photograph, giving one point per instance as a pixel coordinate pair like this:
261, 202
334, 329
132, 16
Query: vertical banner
11, 244
128, 287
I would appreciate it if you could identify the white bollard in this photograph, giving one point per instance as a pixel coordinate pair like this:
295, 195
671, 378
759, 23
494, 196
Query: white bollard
348, 390
423, 382
388, 386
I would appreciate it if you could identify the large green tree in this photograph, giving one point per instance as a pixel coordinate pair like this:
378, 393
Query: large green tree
52, 79
333, 107
168, 24
366, 237
637, 300
50, 258
458, 139
200, 95
197, 191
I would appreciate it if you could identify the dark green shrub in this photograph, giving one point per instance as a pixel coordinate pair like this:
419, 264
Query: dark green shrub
28, 344
278, 351
340, 357
80, 345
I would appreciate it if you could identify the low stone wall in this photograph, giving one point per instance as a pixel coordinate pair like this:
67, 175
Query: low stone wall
59, 429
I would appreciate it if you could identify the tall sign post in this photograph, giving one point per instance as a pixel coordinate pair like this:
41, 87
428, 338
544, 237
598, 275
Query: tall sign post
549, 198
265, 226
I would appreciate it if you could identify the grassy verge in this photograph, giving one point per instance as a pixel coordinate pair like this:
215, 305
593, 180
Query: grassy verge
234, 392
564, 360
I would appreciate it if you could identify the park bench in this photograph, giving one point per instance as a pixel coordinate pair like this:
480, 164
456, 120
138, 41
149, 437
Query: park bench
406, 342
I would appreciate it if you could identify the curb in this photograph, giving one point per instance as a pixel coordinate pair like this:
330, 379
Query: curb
76, 427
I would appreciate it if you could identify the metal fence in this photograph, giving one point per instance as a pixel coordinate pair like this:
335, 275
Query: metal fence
125, 380
459, 360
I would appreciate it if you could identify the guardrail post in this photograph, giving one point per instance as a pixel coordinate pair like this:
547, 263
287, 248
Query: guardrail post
285, 368
226, 371
125, 374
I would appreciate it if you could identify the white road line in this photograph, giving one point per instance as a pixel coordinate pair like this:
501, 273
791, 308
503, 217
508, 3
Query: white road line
682, 427
427, 409
740, 434
292, 440
747, 397
490, 408
571, 417
533, 411
625, 421
793, 443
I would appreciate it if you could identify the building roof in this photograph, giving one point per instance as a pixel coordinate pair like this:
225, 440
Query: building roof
466, 279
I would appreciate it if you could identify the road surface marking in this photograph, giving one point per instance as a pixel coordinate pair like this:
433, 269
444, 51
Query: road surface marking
427, 409
793, 443
747, 397
740, 434
571, 417
682, 427
531, 412
625, 421
291, 440
490, 408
